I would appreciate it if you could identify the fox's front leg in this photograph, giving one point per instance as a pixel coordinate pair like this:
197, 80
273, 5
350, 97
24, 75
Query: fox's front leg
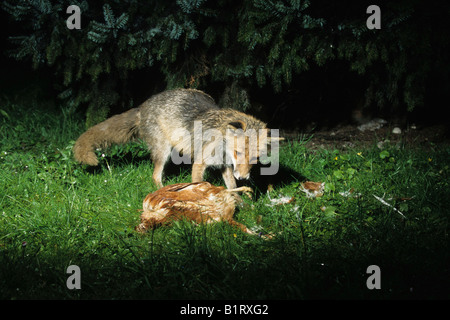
228, 177
198, 169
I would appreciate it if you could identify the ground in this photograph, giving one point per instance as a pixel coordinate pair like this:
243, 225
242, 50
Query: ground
55, 213
348, 136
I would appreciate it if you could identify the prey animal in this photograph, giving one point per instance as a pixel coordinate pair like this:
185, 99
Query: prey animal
199, 202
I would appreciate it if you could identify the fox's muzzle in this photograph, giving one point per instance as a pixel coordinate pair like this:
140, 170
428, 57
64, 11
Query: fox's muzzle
238, 175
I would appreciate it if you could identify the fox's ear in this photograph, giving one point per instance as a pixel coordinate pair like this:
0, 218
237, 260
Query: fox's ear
237, 125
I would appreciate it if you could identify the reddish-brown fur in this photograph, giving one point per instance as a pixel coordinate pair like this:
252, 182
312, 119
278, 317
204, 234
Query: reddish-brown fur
200, 202
164, 118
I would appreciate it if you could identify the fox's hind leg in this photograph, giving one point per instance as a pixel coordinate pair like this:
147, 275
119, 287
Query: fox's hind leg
159, 155
157, 173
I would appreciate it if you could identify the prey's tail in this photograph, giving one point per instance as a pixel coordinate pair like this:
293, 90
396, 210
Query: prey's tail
118, 129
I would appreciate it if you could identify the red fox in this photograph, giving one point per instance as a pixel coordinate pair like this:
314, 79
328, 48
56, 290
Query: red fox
186, 125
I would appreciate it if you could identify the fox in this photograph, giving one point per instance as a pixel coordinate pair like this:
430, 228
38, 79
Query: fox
187, 126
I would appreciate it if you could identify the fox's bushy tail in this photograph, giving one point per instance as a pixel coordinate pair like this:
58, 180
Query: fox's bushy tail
118, 129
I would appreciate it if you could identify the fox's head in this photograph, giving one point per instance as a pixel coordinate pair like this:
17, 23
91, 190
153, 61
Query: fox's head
244, 146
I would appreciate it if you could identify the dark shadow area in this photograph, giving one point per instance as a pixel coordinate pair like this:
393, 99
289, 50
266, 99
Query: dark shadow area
258, 181
202, 271
318, 98
261, 183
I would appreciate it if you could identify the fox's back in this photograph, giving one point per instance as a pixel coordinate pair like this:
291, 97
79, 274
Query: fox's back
175, 108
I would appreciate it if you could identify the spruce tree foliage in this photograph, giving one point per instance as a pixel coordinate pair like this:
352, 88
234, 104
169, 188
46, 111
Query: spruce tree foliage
233, 44
116, 38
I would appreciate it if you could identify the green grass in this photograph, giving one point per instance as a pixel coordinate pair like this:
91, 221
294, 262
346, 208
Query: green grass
55, 213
